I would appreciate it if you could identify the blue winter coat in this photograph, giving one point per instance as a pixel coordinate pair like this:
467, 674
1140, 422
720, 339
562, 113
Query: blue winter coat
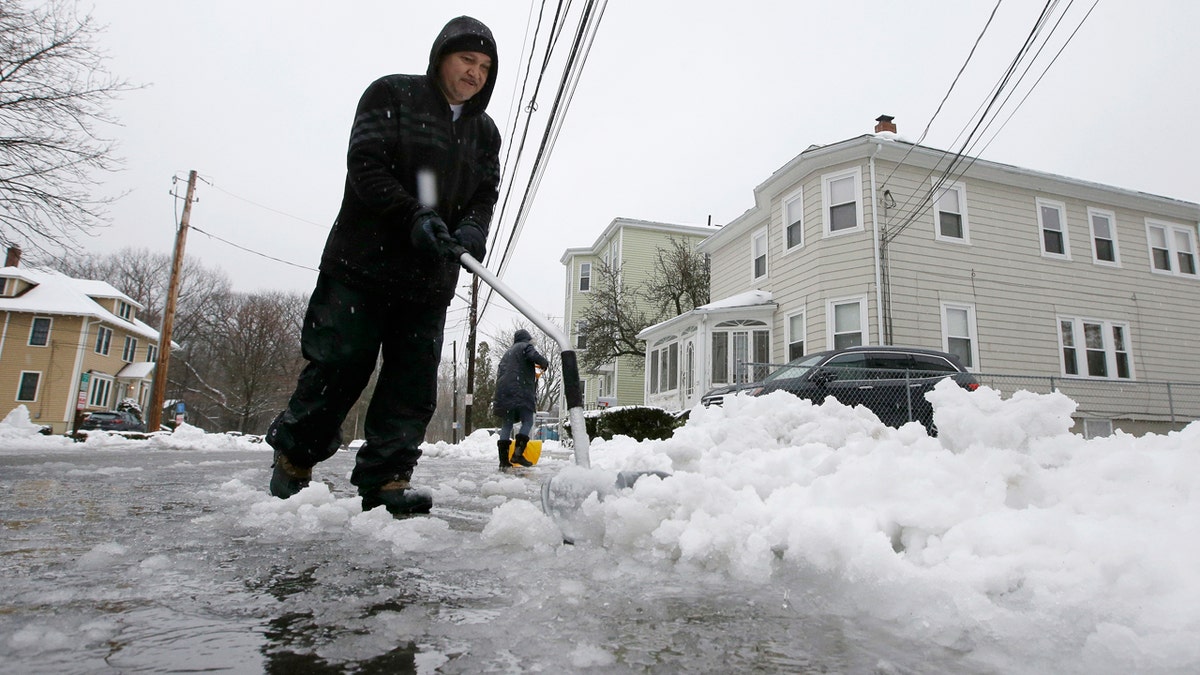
516, 382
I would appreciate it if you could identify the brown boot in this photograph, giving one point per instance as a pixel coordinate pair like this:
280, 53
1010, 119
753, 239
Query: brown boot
287, 479
399, 498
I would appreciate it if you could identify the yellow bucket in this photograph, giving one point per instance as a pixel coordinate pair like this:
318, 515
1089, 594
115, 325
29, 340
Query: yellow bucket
533, 450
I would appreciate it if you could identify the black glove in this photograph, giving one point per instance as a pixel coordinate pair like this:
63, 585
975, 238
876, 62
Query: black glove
472, 238
431, 236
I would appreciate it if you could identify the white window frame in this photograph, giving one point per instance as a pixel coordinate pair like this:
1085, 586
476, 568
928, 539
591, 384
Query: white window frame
1170, 232
1080, 348
960, 190
580, 325
831, 330
49, 330
827, 204
1062, 221
129, 351
1092, 214
99, 390
124, 310
37, 387
743, 331
790, 337
585, 275
152, 353
757, 240
795, 198
972, 335
103, 340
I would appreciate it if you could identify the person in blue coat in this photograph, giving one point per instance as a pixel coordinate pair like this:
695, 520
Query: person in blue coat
516, 396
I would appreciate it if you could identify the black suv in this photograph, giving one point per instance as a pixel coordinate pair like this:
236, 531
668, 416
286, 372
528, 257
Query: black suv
890, 381
113, 420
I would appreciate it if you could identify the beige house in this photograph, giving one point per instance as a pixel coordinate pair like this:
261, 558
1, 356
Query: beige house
875, 240
69, 346
631, 245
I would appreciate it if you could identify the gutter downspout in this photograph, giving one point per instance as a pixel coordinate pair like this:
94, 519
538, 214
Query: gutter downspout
876, 242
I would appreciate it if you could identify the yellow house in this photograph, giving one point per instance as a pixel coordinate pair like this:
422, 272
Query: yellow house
69, 346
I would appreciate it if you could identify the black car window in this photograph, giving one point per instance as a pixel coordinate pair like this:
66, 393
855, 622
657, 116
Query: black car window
851, 366
932, 363
889, 366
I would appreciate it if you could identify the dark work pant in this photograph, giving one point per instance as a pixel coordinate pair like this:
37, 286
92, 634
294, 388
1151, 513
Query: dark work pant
344, 330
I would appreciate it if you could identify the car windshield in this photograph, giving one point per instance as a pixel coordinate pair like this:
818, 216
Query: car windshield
796, 368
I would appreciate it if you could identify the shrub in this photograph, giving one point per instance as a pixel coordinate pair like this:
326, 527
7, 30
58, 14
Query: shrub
637, 422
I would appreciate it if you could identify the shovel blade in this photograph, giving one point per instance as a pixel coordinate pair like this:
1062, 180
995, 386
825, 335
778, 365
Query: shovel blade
572, 499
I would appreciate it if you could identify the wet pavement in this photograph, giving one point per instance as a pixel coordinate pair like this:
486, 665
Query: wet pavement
177, 561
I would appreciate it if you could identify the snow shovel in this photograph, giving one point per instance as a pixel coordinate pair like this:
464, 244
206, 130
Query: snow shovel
564, 494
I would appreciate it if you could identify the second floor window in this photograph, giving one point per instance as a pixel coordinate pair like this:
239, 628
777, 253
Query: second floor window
758, 254
843, 211
39, 332
124, 310
580, 337
950, 214
793, 221
585, 277
103, 340
1104, 237
130, 351
1172, 248
152, 353
1052, 220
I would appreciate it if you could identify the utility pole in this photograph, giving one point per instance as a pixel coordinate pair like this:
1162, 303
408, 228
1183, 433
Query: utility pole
154, 418
454, 392
467, 426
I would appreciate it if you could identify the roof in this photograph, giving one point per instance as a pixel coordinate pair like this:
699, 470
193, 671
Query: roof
56, 294
598, 246
740, 301
137, 371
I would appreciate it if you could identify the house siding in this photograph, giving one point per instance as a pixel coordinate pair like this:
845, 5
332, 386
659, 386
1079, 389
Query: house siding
1018, 294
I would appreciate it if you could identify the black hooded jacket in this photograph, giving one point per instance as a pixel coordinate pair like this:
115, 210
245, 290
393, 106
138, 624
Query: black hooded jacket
404, 125
516, 381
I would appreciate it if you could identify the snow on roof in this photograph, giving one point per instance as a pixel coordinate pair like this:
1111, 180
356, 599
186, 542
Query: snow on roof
137, 371
55, 293
747, 299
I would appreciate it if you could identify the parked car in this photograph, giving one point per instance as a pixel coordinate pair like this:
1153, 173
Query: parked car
890, 381
113, 420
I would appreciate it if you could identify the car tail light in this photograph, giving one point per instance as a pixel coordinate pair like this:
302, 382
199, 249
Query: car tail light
972, 386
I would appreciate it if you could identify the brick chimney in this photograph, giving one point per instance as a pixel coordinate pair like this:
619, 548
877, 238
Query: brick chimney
884, 123
14, 256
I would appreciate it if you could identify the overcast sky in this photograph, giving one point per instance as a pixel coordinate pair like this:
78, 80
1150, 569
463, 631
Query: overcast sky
682, 109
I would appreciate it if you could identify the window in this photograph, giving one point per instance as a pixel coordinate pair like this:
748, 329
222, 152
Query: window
1104, 237
100, 388
758, 254
103, 339
958, 333
152, 353
736, 344
1172, 248
793, 220
847, 323
664, 366
580, 338
795, 336
39, 332
1094, 348
585, 277
27, 390
950, 214
130, 350
1052, 220
689, 369
124, 310
842, 197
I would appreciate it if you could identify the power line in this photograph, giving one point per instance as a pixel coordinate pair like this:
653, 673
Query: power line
250, 250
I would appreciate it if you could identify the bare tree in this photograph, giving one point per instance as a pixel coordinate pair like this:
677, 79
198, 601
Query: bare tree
680, 280
54, 96
611, 320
